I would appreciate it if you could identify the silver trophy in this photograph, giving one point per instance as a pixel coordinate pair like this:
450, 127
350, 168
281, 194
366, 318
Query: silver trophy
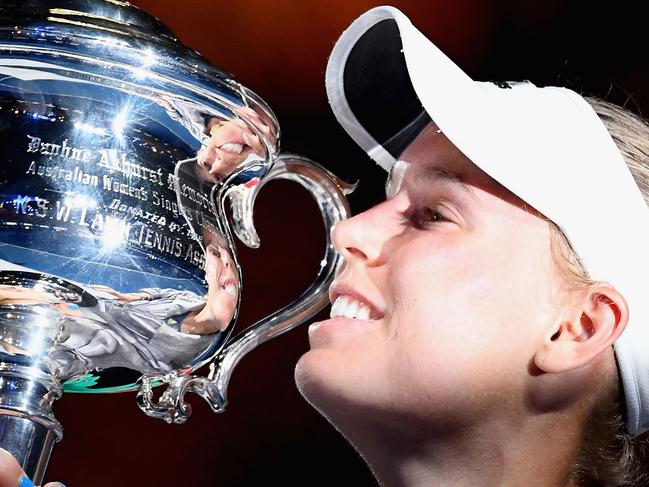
127, 166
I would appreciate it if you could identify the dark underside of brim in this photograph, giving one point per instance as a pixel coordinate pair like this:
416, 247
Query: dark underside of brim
378, 88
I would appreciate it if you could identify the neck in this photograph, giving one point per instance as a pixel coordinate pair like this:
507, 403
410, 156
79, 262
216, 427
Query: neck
501, 454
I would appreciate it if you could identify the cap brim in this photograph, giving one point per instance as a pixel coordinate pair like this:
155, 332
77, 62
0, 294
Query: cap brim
369, 85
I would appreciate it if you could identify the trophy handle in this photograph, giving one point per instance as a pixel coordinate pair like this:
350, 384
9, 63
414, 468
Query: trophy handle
329, 192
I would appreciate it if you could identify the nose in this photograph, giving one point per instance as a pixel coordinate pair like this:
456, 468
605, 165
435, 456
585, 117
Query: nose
226, 258
361, 237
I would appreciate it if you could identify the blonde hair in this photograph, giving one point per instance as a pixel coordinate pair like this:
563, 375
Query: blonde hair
609, 456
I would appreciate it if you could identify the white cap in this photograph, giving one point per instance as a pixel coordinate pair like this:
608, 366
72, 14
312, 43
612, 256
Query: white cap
546, 145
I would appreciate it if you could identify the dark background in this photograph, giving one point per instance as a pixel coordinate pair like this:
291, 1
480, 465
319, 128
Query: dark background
279, 49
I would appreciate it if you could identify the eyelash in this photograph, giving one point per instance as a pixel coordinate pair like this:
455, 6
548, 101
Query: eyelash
421, 217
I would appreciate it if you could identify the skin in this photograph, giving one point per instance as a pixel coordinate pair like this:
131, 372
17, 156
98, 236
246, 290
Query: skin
11, 473
220, 274
216, 160
477, 354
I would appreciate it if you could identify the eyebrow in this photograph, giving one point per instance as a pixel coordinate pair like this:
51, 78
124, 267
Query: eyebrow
433, 175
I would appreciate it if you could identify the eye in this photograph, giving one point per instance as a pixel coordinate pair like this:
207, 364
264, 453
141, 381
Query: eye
420, 217
213, 251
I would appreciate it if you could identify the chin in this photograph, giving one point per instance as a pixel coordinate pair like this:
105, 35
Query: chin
330, 386
315, 378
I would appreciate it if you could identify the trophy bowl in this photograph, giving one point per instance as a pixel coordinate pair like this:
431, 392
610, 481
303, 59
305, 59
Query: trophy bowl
129, 164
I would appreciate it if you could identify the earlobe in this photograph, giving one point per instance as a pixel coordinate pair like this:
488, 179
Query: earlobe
598, 318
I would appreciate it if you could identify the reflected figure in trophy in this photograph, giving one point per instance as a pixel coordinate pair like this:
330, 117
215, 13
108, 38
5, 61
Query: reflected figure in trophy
151, 329
223, 288
230, 143
186, 311
155, 329
159, 328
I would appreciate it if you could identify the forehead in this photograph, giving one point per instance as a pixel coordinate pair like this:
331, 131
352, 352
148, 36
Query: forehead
432, 158
212, 236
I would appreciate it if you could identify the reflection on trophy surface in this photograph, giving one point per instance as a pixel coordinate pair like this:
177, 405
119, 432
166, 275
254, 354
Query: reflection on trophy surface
230, 143
128, 165
149, 330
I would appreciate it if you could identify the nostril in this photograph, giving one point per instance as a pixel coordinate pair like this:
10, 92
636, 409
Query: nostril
356, 253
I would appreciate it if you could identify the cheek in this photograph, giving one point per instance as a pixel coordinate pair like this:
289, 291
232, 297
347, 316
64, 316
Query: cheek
491, 276
461, 315
445, 284
212, 265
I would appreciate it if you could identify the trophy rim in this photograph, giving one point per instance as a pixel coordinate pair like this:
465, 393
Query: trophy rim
118, 33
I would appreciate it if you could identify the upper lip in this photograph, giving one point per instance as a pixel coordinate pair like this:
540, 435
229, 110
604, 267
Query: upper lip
228, 281
342, 289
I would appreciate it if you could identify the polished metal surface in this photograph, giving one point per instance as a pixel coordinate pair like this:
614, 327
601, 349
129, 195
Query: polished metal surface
329, 193
128, 164
28, 429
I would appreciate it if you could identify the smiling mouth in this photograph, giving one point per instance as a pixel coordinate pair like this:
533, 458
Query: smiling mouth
229, 287
349, 307
232, 147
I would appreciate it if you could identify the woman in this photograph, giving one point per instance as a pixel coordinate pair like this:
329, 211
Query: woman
487, 326
482, 308
147, 310
231, 142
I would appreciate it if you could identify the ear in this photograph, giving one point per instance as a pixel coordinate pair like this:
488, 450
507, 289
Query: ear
598, 316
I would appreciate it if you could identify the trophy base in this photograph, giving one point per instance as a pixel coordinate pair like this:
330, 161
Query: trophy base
29, 442
28, 428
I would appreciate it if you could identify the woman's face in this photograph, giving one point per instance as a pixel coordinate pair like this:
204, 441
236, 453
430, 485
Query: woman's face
219, 270
223, 287
458, 280
230, 143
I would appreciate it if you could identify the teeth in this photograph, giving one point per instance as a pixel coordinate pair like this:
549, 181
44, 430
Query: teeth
349, 307
338, 306
363, 313
352, 308
246, 138
231, 147
231, 289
